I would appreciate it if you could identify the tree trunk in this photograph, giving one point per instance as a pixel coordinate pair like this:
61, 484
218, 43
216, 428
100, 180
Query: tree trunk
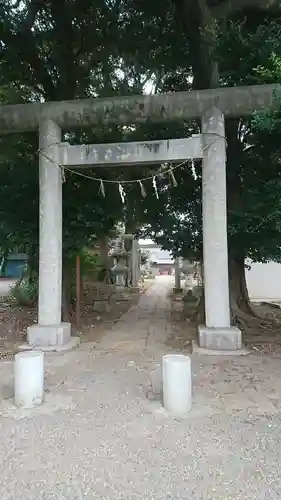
33, 263
199, 315
241, 306
104, 250
66, 292
239, 297
201, 30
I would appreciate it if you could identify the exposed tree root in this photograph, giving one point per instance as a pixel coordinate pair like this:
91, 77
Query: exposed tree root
270, 304
258, 324
251, 326
253, 318
250, 319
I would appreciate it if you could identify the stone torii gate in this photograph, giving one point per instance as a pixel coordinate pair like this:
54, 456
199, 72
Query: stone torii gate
50, 118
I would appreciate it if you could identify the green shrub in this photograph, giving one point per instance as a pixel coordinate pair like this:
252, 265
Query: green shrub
189, 297
92, 265
25, 293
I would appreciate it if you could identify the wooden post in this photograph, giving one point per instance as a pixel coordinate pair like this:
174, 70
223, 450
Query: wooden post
78, 291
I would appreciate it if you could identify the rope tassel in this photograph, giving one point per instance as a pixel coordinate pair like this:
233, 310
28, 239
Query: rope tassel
173, 179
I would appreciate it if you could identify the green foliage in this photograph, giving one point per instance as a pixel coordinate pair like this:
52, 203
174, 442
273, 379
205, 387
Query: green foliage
189, 298
147, 274
115, 48
90, 261
25, 292
90, 264
249, 52
144, 258
33, 40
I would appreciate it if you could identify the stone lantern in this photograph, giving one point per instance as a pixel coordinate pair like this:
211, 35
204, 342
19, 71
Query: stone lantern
120, 269
187, 269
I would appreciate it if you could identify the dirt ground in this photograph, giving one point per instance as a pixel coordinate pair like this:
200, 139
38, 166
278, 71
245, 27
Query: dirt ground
14, 320
103, 432
265, 339
94, 324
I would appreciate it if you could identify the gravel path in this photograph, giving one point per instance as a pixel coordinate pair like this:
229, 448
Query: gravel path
99, 435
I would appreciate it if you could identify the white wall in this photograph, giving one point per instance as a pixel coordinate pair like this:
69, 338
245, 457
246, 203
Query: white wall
264, 282
155, 253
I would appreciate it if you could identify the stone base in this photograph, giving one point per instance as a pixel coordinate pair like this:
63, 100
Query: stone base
101, 306
134, 289
220, 339
177, 290
71, 344
215, 352
120, 296
48, 335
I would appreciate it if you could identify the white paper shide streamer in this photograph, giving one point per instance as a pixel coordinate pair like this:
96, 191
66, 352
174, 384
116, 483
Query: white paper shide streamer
122, 193
102, 190
155, 187
63, 179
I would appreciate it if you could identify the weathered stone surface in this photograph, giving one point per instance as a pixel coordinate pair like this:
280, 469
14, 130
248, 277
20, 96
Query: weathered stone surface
131, 153
237, 101
220, 339
101, 306
214, 220
48, 335
50, 221
119, 297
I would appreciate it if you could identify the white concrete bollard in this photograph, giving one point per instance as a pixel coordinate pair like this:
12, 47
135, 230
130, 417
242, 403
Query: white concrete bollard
177, 390
29, 379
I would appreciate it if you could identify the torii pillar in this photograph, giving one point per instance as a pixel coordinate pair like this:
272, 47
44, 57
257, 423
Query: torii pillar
50, 333
217, 333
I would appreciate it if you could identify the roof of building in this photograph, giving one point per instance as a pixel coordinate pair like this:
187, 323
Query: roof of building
166, 262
